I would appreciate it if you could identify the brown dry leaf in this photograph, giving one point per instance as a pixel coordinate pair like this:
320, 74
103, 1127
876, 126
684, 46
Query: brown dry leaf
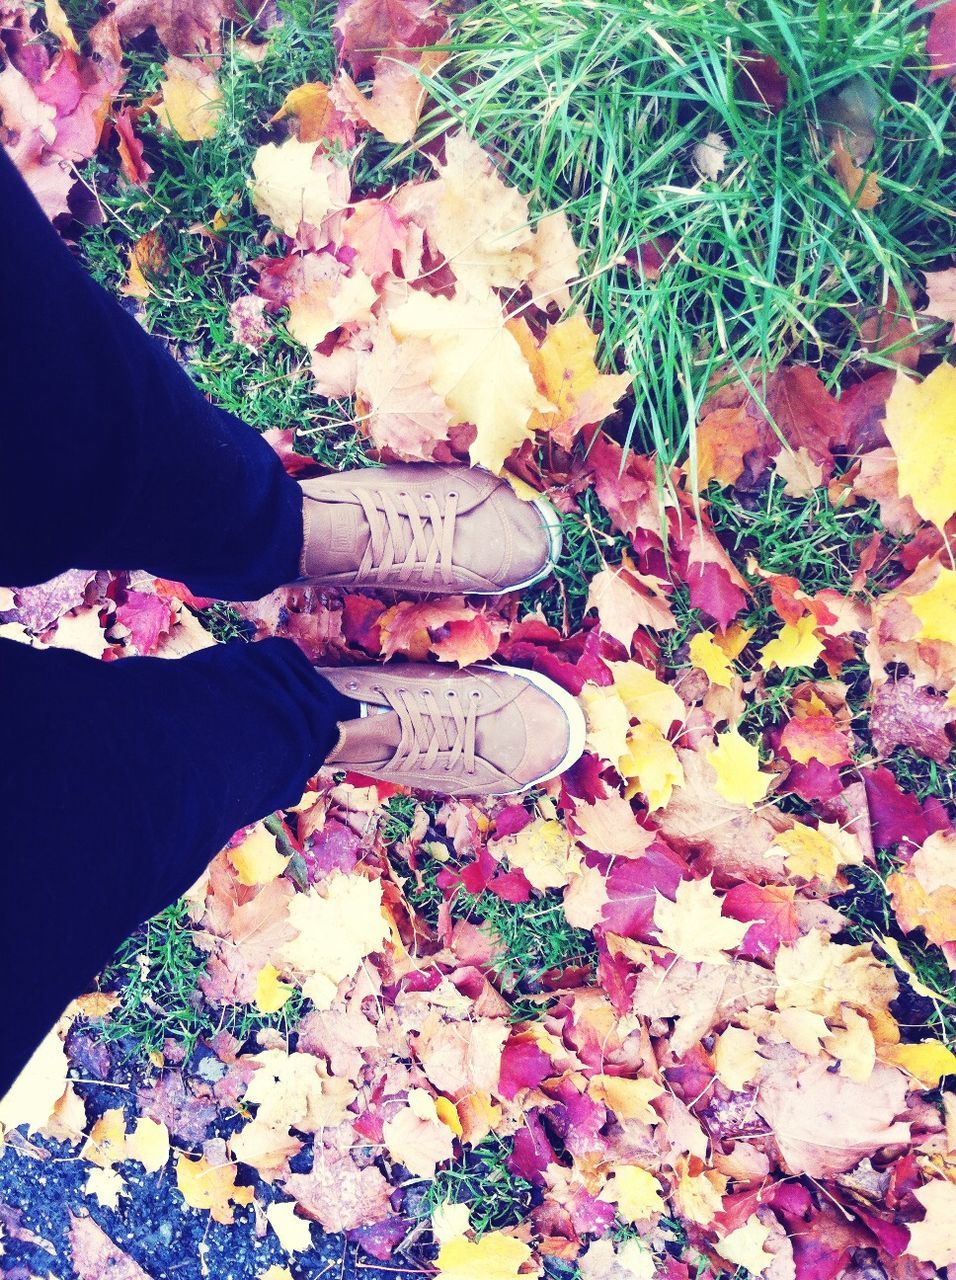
861, 187
625, 600
94, 1255
339, 1195
824, 1123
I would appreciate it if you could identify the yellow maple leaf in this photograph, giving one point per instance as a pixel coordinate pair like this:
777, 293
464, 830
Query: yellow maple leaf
636, 1192
478, 370
920, 424
271, 993
737, 765
744, 1247
192, 102
494, 1257
545, 853
607, 721
256, 859
648, 699
629, 1098
707, 656
936, 608
339, 923
309, 103
295, 183
58, 23
693, 927
818, 854
567, 375
650, 765
211, 1186
794, 645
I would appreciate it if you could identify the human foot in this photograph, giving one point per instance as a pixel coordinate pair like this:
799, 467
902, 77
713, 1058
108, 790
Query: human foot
479, 731
419, 528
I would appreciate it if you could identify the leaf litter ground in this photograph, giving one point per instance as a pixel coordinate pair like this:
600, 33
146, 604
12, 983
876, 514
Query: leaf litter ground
688, 1010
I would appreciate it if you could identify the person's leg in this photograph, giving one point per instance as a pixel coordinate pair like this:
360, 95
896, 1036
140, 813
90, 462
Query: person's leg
109, 455
120, 781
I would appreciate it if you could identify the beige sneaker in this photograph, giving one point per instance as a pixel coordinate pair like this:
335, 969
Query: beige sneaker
477, 732
419, 528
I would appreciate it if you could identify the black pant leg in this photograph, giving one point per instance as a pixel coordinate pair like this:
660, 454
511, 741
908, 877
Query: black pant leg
110, 458
118, 782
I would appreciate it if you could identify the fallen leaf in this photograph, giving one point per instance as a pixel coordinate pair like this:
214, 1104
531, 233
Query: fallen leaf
494, 1257
921, 427
211, 1187
693, 926
191, 103
737, 765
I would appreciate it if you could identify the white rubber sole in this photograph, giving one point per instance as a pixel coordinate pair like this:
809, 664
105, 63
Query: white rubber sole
577, 725
551, 519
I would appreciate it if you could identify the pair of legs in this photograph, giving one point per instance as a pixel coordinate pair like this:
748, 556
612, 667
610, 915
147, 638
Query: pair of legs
119, 781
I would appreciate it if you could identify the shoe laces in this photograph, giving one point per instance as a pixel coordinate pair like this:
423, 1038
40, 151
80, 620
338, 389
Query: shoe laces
432, 724
406, 540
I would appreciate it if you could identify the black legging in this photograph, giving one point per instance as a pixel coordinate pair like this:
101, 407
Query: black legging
120, 780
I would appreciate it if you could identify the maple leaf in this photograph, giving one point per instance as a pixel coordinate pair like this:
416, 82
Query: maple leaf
737, 765
610, 826
921, 427
191, 103
566, 374
633, 889
205, 1185
936, 608
636, 1193
650, 766
448, 628
416, 1137
795, 645
693, 926
744, 1247
469, 337
647, 698
823, 1123
736, 1060
726, 438
941, 39
256, 858
626, 600
706, 655
183, 29
931, 1239
367, 29
339, 1195
904, 714
494, 1257
923, 892
297, 183
271, 994
477, 222
818, 854
338, 924
398, 95
545, 853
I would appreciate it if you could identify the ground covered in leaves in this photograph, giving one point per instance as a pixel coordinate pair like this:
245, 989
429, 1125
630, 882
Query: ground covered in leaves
688, 1010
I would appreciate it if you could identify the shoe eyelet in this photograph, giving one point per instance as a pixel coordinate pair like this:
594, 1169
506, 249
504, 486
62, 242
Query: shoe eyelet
428, 497
475, 695
453, 493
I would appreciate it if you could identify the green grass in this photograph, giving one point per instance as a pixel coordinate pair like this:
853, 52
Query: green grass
481, 1179
869, 910
534, 937
191, 183
597, 108
156, 973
